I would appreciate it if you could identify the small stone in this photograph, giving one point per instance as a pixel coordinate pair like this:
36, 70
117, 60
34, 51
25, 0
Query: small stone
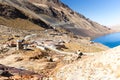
55, 59
1, 71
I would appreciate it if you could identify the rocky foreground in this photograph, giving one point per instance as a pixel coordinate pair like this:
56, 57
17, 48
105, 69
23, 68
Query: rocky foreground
98, 66
90, 66
11, 73
42, 53
48, 57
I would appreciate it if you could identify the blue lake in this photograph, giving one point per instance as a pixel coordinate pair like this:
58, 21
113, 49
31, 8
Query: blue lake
110, 40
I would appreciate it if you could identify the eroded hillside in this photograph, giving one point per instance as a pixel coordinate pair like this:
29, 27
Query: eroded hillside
48, 14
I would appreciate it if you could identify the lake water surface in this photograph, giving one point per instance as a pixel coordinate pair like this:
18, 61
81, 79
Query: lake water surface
110, 40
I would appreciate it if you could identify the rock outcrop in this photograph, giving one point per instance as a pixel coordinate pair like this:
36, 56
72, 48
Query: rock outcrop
12, 73
11, 12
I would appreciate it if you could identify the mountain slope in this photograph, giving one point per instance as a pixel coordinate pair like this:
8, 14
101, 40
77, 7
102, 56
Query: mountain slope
50, 14
99, 66
116, 28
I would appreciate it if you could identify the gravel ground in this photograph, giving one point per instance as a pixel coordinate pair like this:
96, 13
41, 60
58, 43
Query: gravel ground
102, 66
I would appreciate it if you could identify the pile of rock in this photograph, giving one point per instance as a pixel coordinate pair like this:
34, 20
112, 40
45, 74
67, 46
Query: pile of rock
3, 49
10, 73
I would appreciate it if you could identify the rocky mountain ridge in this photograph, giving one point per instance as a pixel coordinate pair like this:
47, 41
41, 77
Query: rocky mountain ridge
50, 14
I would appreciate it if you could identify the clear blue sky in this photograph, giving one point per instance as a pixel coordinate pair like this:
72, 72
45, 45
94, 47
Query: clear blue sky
105, 12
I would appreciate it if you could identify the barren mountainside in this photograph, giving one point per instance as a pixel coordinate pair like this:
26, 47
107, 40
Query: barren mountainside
47, 40
47, 14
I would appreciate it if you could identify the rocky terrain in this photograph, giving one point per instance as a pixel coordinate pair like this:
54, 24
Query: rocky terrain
45, 54
46, 40
47, 14
97, 66
11, 73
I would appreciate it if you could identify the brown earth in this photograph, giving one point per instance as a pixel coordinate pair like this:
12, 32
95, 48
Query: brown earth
20, 24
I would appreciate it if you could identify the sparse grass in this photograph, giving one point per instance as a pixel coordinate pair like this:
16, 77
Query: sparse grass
73, 46
19, 24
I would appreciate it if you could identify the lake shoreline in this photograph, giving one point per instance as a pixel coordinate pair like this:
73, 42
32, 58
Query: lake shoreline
111, 40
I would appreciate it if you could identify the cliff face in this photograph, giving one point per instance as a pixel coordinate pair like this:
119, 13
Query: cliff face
10, 12
51, 14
